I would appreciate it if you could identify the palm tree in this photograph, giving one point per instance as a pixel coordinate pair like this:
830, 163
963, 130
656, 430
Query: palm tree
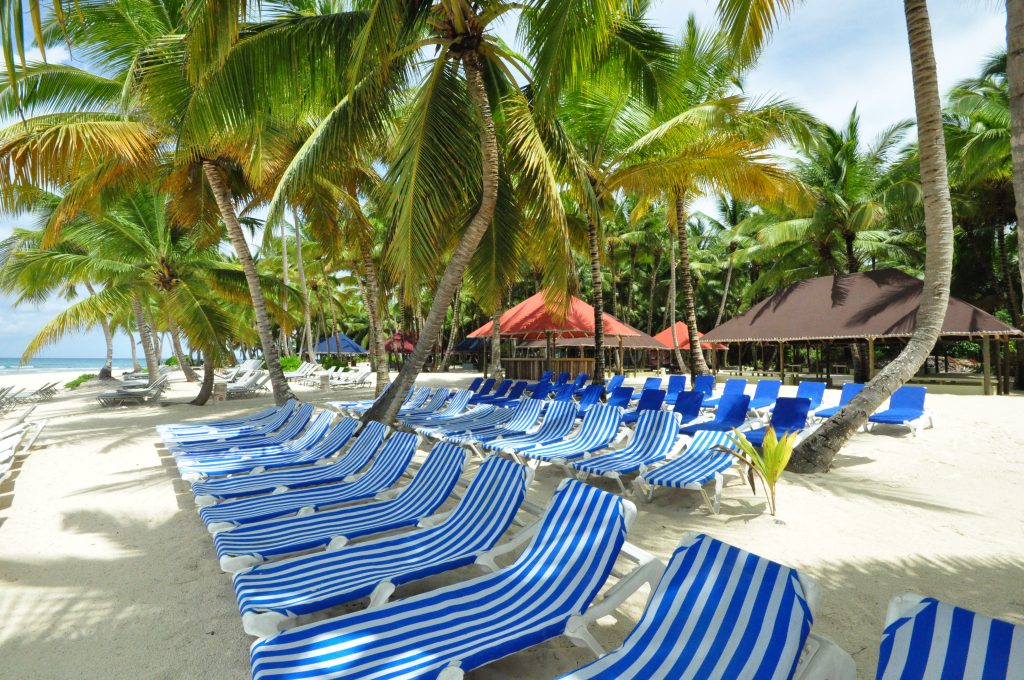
1015, 79
749, 22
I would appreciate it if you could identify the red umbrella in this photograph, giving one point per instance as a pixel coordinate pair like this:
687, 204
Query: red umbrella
683, 337
530, 319
400, 343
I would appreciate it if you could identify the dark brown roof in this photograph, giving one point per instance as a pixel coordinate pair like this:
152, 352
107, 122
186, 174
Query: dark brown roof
878, 304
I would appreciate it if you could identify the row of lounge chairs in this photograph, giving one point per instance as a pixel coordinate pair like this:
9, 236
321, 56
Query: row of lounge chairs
139, 394
17, 436
11, 397
714, 610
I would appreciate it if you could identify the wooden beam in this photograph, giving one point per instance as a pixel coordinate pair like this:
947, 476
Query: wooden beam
986, 367
782, 361
871, 358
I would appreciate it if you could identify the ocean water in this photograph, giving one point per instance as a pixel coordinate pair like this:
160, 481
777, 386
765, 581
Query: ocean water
12, 365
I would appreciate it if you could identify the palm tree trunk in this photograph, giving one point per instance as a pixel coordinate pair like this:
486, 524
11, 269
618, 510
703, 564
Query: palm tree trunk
282, 392
386, 409
497, 372
179, 354
207, 387
633, 253
310, 354
152, 365
1015, 79
725, 289
373, 313
672, 305
697, 364
135, 354
852, 263
613, 270
286, 349
453, 336
108, 337
598, 301
815, 453
651, 290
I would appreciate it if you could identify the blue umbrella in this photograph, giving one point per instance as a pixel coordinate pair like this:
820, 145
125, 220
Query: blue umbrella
342, 344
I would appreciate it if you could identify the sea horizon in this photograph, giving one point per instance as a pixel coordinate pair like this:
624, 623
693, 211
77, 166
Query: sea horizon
12, 365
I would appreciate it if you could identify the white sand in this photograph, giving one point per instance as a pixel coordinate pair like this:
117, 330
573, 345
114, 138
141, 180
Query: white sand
106, 571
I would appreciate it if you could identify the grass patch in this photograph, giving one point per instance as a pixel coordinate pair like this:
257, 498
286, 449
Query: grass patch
85, 377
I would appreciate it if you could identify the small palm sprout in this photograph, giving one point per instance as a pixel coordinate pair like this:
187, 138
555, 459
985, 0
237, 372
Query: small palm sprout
768, 463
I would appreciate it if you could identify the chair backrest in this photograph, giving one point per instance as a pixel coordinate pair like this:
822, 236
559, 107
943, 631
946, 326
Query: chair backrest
475, 385
581, 380
600, 425
790, 413
650, 400
502, 389
458, 402
315, 431
363, 448
562, 379
757, 630
767, 389
436, 399
517, 390
546, 376
849, 391
525, 416
540, 389
391, 462
652, 384
928, 638
620, 397
559, 418
337, 436
296, 423
435, 480
591, 395
811, 390
676, 384
732, 410
688, 404
704, 441
487, 386
491, 501
705, 384
910, 397
418, 397
564, 393
735, 386
656, 433
614, 383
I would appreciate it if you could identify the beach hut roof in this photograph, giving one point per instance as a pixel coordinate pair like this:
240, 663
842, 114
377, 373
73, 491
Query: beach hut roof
342, 344
878, 304
683, 338
470, 345
400, 343
642, 341
531, 319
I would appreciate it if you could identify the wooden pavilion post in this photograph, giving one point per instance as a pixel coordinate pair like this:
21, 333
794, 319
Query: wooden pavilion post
871, 358
1007, 367
986, 367
782, 362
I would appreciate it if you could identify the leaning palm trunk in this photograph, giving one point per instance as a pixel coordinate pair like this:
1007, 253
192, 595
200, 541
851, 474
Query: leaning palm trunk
207, 387
279, 384
672, 305
725, 288
145, 337
108, 338
1015, 79
595, 282
651, 291
496, 371
373, 312
815, 454
303, 292
179, 354
386, 408
453, 336
135, 354
285, 339
697, 364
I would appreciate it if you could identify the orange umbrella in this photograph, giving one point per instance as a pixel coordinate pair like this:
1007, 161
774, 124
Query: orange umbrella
683, 337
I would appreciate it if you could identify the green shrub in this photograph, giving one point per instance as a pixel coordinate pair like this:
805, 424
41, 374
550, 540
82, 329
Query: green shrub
173, 361
291, 363
768, 463
85, 377
328, 361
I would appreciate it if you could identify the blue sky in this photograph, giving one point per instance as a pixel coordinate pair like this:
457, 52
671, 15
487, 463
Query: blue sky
828, 57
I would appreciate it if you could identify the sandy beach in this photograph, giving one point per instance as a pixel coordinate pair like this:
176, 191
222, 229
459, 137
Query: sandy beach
107, 572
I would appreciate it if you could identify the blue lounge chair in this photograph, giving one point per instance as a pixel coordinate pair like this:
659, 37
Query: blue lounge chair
524, 418
699, 463
699, 623
849, 391
650, 400
513, 394
590, 396
251, 544
732, 386
688, 405
325, 471
481, 416
263, 422
289, 429
297, 435
562, 379
731, 414
580, 380
705, 384
906, 407
563, 393
546, 376
811, 390
416, 397
559, 419
540, 390
649, 384
788, 417
765, 394
598, 430
676, 386
657, 433
925, 638
271, 595
432, 404
385, 471
620, 396
614, 383
455, 407
484, 397
462, 627
474, 386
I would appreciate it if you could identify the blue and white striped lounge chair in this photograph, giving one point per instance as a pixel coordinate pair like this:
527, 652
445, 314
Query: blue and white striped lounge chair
598, 430
271, 594
732, 386
486, 396
730, 414
251, 544
481, 386
524, 418
455, 407
291, 429
705, 384
452, 630
254, 462
906, 408
265, 424
481, 415
697, 465
849, 391
387, 468
580, 380
432, 404
501, 396
765, 394
219, 428
650, 400
315, 431
926, 639
788, 417
656, 438
414, 398
716, 612
559, 419
324, 471
589, 397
